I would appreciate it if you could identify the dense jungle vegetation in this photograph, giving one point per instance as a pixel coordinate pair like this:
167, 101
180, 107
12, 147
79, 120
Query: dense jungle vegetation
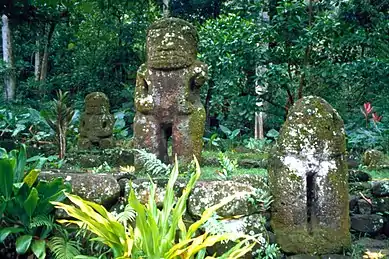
335, 49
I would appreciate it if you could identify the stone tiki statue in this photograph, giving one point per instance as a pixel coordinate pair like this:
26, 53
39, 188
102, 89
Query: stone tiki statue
308, 181
167, 95
96, 123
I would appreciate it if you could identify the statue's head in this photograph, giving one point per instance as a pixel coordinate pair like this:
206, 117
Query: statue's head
96, 103
171, 44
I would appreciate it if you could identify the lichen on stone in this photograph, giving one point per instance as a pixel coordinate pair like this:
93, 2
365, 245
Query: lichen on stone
96, 123
308, 180
167, 95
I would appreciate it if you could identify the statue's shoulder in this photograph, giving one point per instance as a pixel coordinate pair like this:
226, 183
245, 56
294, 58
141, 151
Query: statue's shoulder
142, 70
199, 67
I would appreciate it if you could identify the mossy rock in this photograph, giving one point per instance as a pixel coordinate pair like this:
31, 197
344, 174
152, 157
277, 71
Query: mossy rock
100, 188
208, 193
308, 179
87, 159
321, 240
375, 159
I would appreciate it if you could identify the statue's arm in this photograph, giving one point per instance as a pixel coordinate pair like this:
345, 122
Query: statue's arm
143, 100
200, 73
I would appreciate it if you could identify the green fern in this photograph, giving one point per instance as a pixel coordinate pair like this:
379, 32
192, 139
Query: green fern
91, 245
151, 164
127, 215
42, 221
228, 166
63, 248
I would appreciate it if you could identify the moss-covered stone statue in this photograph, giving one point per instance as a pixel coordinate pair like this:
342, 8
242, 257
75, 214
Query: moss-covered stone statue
167, 94
96, 123
308, 181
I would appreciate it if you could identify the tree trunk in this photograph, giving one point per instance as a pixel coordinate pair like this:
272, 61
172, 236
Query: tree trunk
208, 103
166, 8
45, 57
9, 77
259, 125
37, 61
261, 91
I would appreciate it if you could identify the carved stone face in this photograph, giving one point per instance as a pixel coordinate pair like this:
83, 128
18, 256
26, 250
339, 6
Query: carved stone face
96, 103
171, 44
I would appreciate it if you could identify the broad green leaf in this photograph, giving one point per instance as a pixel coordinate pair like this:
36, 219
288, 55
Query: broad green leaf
38, 247
7, 231
6, 177
234, 134
3, 205
3, 153
225, 130
23, 243
31, 202
19, 128
272, 133
31, 177
21, 163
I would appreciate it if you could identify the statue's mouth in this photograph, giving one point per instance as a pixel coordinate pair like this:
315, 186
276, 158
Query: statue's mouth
168, 55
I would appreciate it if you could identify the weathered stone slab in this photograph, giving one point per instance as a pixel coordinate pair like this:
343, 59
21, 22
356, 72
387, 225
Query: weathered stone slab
375, 159
248, 225
381, 188
374, 245
142, 189
371, 224
100, 188
208, 193
364, 207
303, 256
357, 187
335, 256
380, 204
309, 181
115, 157
254, 180
358, 176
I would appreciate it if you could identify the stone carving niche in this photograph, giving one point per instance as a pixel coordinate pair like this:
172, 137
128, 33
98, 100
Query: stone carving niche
96, 123
167, 94
308, 181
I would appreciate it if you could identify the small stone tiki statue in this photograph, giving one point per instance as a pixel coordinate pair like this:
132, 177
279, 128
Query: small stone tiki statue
96, 123
167, 95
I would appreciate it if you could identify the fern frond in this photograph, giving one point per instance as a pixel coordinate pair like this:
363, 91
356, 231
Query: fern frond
151, 164
42, 221
62, 248
127, 215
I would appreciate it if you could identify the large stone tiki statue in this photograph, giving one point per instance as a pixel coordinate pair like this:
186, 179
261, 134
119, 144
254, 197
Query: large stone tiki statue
308, 180
96, 123
167, 95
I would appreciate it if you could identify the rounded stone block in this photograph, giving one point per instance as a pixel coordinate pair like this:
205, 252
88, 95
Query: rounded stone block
99, 188
309, 181
208, 193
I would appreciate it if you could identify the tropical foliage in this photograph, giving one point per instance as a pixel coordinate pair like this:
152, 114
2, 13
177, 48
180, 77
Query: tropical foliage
154, 234
25, 207
335, 49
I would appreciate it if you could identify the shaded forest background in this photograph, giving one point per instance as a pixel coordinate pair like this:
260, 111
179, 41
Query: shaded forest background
336, 49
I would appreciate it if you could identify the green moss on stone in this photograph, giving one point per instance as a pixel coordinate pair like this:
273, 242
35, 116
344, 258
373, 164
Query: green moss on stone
295, 177
196, 127
301, 241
